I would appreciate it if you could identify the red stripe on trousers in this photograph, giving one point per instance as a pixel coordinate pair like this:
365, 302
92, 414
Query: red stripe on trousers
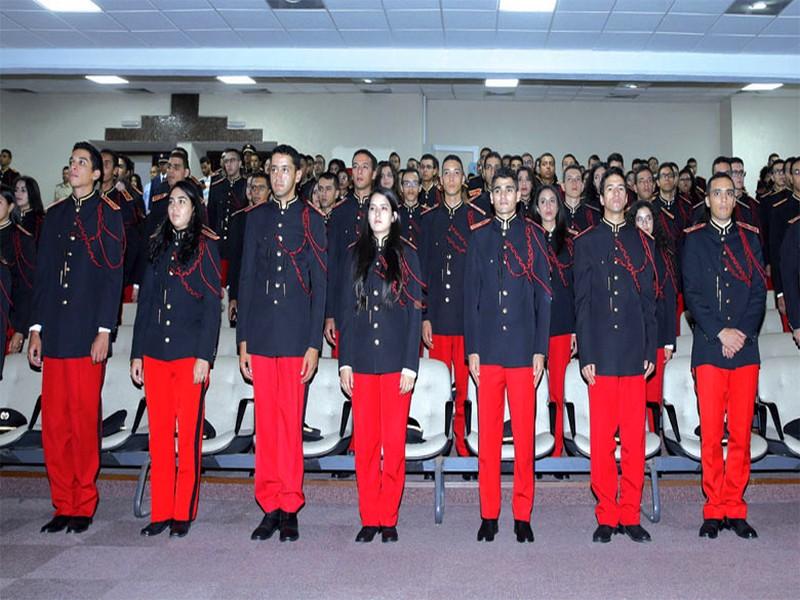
558, 355
380, 414
71, 432
279, 399
450, 350
127, 294
617, 402
654, 387
224, 265
679, 308
495, 382
722, 392
173, 397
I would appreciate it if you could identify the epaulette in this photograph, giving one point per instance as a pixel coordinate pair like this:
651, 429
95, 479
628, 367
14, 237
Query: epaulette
474, 193
478, 208
479, 224
112, 205
592, 206
209, 233
351, 244
696, 227
535, 224
159, 197
580, 233
339, 203
55, 203
793, 220
696, 204
216, 181
643, 232
195, 181
777, 204
669, 214
426, 209
572, 232
126, 195
749, 227
315, 209
24, 231
247, 208
408, 242
135, 189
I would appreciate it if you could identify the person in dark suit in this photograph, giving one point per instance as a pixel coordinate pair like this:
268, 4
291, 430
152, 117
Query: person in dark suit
381, 307
790, 265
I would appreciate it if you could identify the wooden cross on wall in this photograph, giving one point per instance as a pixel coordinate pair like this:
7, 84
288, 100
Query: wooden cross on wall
184, 123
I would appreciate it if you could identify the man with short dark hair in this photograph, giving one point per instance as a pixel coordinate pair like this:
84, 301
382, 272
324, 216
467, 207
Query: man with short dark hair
430, 193
227, 195
547, 169
645, 185
394, 158
580, 215
7, 174
63, 189
516, 163
781, 214
615, 160
411, 208
482, 197
176, 169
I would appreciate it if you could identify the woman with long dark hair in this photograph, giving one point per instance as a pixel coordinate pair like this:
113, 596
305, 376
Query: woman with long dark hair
525, 182
381, 307
550, 213
591, 192
28, 211
641, 215
174, 342
387, 177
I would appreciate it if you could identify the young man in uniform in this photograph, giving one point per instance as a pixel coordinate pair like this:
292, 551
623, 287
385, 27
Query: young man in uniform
580, 215
481, 197
617, 332
279, 332
724, 286
75, 306
790, 269
506, 333
782, 212
411, 208
430, 193
227, 195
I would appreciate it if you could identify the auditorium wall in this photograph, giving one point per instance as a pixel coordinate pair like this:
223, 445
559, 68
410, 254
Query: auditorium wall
40, 129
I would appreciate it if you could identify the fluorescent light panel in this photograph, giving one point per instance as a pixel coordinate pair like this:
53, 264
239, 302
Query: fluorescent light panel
236, 79
80, 6
106, 79
502, 83
528, 6
761, 87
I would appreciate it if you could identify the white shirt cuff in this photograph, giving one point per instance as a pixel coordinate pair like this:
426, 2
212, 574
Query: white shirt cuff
37, 328
136, 286
103, 330
345, 367
409, 372
779, 294
669, 347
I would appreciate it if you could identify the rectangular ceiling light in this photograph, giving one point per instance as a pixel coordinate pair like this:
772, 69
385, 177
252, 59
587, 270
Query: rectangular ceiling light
502, 83
768, 8
106, 79
237, 79
761, 87
529, 6
86, 6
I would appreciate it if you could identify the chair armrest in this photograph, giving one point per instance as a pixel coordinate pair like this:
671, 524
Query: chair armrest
243, 402
137, 420
552, 409
655, 409
570, 409
468, 415
776, 418
673, 421
448, 419
37, 409
346, 407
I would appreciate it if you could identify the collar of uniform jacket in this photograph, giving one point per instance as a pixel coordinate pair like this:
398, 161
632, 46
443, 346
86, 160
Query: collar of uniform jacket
721, 229
79, 201
452, 209
615, 227
505, 224
288, 204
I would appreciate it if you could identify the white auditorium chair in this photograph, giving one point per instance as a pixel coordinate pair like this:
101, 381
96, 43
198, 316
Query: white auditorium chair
123, 341
222, 405
119, 394
226, 346
772, 322
773, 345
328, 410
771, 301
778, 395
432, 408
681, 414
683, 345
19, 391
128, 313
544, 441
685, 329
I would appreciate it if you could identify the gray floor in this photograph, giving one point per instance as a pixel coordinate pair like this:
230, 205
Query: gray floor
217, 559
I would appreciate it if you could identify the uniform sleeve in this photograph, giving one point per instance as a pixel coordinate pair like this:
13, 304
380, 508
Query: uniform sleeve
703, 313
236, 242
472, 294
45, 271
670, 312
648, 295
110, 293
346, 316
333, 268
777, 228
424, 261
212, 211
144, 308
246, 276
582, 273
543, 296
318, 276
209, 330
414, 308
790, 262
23, 284
750, 322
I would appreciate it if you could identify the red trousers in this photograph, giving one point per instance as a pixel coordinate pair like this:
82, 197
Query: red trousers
450, 350
279, 399
617, 402
127, 294
679, 308
558, 355
224, 265
71, 432
721, 393
495, 382
380, 414
173, 398
654, 387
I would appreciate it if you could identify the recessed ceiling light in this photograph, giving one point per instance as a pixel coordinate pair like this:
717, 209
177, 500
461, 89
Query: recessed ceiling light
106, 79
70, 5
237, 79
368, 81
541, 6
761, 87
758, 6
502, 83
631, 86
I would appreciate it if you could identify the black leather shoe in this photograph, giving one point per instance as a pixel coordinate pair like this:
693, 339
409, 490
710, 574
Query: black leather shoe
636, 532
741, 528
710, 528
488, 530
602, 535
155, 528
389, 534
269, 525
523, 531
78, 524
288, 527
56, 524
179, 528
367, 534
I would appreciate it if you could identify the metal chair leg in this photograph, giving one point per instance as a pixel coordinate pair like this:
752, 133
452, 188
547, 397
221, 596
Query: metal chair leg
438, 486
138, 498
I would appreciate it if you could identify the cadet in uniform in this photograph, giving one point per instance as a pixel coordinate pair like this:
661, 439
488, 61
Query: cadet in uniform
481, 197
724, 284
380, 306
177, 170
75, 305
174, 342
279, 331
446, 230
790, 265
5, 308
506, 332
430, 193
617, 332
781, 213
227, 195
411, 208
29, 211
579, 214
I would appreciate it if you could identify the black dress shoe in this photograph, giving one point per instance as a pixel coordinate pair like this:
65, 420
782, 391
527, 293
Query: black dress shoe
367, 534
389, 534
602, 535
523, 531
488, 530
741, 528
710, 528
78, 524
636, 532
179, 528
155, 528
269, 525
288, 527
56, 524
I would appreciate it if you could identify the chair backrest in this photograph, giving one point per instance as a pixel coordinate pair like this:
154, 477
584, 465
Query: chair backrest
431, 393
542, 421
129, 313
684, 325
326, 398
577, 393
119, 393
221, 403
771, 302
123, 342
226, 346
772, 322
777, 384
683, 344
20, 387
772, 345
679, 392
